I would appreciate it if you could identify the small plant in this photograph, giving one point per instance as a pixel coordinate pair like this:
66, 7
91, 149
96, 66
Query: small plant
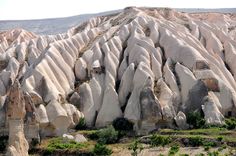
34, 142
196, 120
220, 138
122, 124
161, 154
101, 149
49, 151
206, 148
173, 150
222, 147
214, 153
209, 143
81, 125
136, 148
3, 143
230, 123
183, 155
157, 140
105, 136
196, 141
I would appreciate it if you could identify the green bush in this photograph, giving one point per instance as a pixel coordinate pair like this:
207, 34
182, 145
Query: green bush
206, 148
183, 155
60, 144
209, 144
49, 151
136, 148
173, 150
220, 138
93, 135
3, 143
230, 123
81, 125
214, 153
196, 120
34, 142
122, 124
157, 140
196, 141
105, 136
101, 149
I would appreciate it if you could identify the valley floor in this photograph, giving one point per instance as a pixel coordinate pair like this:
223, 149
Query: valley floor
196, 142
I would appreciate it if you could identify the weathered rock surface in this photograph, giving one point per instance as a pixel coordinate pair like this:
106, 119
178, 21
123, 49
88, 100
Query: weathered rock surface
80, 138
181, 121
125, 64
211, 111
16, 111
110, 109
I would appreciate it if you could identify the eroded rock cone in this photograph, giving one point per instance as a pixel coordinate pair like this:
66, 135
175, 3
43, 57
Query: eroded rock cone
105, 61
18, 145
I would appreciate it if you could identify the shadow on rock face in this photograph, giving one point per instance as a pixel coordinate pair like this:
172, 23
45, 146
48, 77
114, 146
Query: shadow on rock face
195, 97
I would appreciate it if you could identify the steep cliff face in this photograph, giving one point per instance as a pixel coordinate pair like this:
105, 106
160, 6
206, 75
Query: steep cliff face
144, 64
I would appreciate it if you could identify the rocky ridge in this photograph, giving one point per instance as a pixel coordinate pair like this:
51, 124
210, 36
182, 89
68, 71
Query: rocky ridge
149, 65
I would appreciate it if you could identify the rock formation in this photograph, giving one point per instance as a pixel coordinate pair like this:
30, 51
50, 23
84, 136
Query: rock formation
18, 146
146, 64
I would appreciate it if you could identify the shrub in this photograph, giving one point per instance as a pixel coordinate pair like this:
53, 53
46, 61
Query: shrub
173, 150
81, 125
196, 141
122, 124
206, 148
220, 138
230, 123
183, 155
136, 147
157, 140
210, 144
214, 153
3, 143
34, 142
60, 144
101, 149
93, 136
222, 147
105, 136
49, 151
196, 120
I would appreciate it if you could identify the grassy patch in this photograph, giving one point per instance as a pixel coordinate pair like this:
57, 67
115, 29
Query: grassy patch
158, 140
230, 123
173, 150
101, 149
105, 136
60, 144
135, 148
214, 153
219, 134
50, 146
196, 141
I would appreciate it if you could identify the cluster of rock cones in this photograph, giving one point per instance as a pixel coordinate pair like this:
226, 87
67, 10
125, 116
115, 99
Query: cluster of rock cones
149, 65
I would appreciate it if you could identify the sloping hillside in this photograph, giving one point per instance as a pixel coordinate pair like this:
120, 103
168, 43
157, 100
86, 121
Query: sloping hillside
150, 65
